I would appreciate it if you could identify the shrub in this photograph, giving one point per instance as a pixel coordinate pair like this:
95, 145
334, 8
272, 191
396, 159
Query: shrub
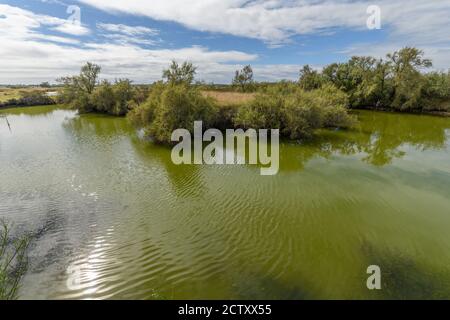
142, 115
297, 113
265, 111
82, 102
310, 79
103, 97
306, 111
13, 262
171, 107
436, 91
123, 94
33, 98
83, 93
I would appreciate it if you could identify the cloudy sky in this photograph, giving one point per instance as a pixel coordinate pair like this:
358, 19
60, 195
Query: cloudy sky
41, 40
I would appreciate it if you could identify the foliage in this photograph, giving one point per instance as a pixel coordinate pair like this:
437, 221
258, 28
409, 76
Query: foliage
123, 93
87, 79
171, 107
143, 114
243, 79
297, 113
408, 82
83, 93
394, 84
183, 74
13, 262
310, 79
77, 90
264, 112
30, 98
436, 91
362, 78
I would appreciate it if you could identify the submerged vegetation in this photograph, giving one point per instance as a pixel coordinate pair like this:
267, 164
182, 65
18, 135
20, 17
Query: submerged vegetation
13, 262
319, 99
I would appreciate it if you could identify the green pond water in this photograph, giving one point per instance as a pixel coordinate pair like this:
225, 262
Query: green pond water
112, 217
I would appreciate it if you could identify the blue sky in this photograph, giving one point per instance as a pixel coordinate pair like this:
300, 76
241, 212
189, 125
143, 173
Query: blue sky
137, 39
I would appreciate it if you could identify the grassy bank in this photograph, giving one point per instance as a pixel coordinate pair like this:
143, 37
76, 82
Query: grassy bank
26, 96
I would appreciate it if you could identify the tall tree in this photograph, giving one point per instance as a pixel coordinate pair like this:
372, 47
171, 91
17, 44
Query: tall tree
310, 79
243, 79
88, 77
177, 74
408, 82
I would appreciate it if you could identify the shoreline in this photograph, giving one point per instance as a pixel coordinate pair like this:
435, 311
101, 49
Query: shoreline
443, 114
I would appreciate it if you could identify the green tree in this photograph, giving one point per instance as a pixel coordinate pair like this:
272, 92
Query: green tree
263, 112
306, 111
87, 79
123, 94
310, 79
243, 79
77, 90
183, 74
178, 107
408, 82
83, 92
103, 97
297, 113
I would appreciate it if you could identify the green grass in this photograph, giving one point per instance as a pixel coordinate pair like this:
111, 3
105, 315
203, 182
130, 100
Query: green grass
10, 93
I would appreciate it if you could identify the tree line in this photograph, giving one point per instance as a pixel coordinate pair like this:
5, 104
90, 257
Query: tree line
395, 83
318, 99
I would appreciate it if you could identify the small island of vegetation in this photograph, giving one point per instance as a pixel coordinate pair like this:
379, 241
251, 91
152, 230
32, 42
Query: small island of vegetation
319, 99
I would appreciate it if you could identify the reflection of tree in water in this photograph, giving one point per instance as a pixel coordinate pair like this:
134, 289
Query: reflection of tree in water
402, 277
379, 135
185, 179
379, 138
98, 125
34, 111
251, 285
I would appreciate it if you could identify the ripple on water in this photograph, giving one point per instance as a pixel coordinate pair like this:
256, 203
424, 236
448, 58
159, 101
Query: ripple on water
114, 218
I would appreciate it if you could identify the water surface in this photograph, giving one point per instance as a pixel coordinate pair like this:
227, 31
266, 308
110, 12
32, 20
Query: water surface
112, 217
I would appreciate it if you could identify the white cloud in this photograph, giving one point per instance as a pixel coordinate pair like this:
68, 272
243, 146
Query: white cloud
29, 56
272, 21
125, 34
277, 20
127, 30
72, 29
21, 24
421, 23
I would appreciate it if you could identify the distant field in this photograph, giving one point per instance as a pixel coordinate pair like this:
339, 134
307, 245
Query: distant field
229, 98
9, 93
